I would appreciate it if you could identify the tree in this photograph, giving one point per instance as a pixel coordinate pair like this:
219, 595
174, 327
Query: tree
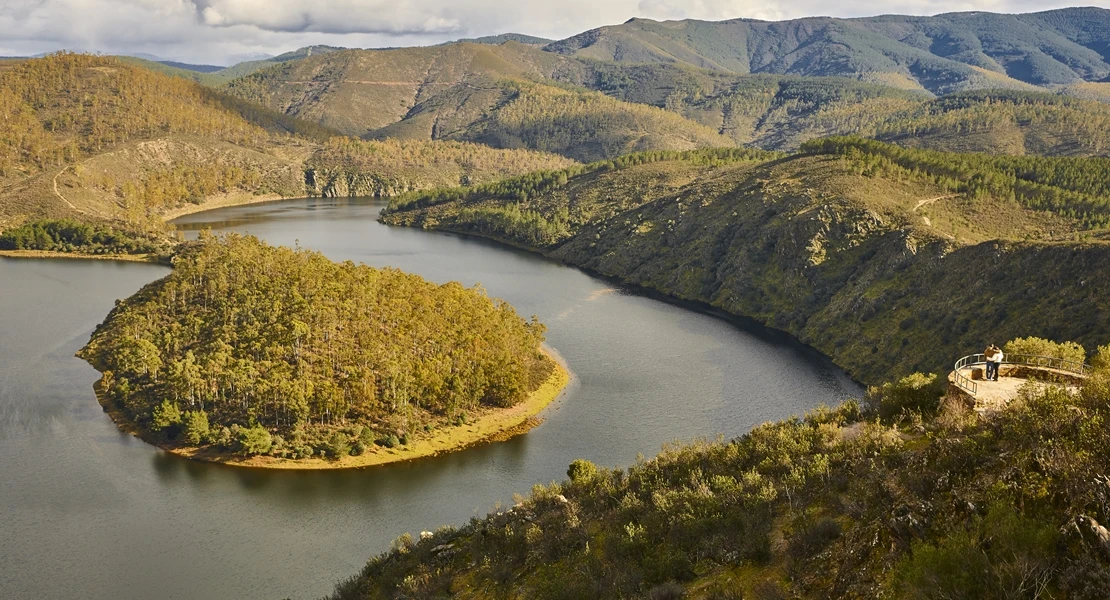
195, 427
165, 415
255, 440
1035, 346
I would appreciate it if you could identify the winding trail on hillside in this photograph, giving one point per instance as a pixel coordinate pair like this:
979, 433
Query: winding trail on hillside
929, 201
58, 193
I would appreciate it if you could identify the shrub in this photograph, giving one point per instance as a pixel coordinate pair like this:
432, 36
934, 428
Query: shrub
667, 591
1042, 347
389, 441
337, 445
1101, 359
165, 415
1020, 551
254, 440
581, 470
195, 426
814, 538
919, 393
224, 438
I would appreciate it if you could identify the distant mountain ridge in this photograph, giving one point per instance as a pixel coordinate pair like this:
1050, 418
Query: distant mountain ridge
941, 54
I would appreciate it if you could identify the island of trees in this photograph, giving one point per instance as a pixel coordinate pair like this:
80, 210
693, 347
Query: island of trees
248, 350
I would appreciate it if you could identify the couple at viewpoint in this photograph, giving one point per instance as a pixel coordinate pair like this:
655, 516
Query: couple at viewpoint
994, 359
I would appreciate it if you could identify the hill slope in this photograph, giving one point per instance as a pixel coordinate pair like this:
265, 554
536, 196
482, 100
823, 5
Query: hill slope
941, 54
887, 260
512, 95
498, 95
838, 505
97, 138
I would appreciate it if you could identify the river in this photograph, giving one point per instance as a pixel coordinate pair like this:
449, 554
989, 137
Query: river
91, 513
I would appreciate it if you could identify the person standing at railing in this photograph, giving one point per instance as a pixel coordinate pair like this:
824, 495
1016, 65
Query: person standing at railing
994, 360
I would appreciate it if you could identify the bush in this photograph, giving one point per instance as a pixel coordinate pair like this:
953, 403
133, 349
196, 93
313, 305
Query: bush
254, 440
1042, 347
815, 538
389, 441
1020, 551
165, 415
581, 470
195, 426
1101, 359
918, 393
337, 445
223, 438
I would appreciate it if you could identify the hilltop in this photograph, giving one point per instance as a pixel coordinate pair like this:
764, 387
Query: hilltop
942, 54
888, 260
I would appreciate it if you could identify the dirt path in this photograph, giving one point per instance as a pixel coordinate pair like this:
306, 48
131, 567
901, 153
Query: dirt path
929, 201
58, 193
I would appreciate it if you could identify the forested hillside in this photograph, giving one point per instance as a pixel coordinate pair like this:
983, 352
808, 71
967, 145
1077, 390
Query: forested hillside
351, 167
900, 496
96, 139
517, 96
886, 259
942, 54
261, 350
466, 91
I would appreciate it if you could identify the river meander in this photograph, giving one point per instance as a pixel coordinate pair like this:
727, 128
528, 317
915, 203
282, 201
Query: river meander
88, 512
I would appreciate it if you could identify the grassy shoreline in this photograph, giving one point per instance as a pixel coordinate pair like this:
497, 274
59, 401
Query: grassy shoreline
143, 258
493, 425
221, 201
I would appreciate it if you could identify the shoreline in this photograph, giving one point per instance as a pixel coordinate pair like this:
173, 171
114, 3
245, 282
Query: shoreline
494, 425
222, 201
141, 258
745, 322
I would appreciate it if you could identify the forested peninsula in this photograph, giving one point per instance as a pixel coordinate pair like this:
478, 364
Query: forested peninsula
267, 356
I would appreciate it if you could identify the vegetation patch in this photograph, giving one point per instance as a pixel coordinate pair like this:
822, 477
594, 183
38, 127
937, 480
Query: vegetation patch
842, 503
247, 350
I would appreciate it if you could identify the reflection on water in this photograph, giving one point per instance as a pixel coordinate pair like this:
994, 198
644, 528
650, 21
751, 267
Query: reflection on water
121, 519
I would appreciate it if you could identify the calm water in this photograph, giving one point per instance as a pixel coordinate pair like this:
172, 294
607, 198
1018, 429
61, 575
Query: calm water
87, 512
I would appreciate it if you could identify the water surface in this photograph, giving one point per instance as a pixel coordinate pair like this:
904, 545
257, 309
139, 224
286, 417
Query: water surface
88, 512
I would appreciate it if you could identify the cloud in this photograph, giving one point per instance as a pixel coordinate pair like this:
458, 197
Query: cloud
338, 16
216, 30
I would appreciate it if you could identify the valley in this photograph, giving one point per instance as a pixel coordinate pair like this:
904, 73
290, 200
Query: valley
779, 233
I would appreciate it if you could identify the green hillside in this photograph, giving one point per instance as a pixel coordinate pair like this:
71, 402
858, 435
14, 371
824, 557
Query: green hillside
66, 109
326, 366
941, 54
221, 76
840, 504
888, 260
517, 96
501, 38
95, 138
350, 167
1003, 122
505, 96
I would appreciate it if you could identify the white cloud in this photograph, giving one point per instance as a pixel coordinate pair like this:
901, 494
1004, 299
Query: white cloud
216, 30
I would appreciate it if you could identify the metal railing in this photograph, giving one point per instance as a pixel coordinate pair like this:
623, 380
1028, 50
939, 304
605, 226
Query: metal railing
1030, 360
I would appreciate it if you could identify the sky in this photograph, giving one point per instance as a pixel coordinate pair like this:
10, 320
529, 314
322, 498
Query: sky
224, 32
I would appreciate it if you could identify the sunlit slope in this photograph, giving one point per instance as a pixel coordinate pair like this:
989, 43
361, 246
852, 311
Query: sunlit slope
504, 95
859, 248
